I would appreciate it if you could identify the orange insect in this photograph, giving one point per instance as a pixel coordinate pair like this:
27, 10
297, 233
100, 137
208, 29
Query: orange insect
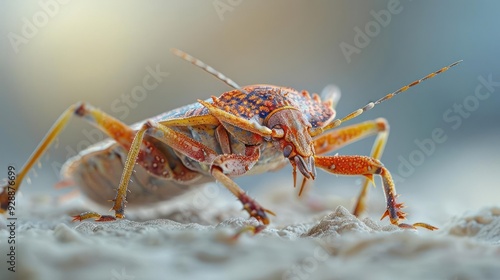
248, 130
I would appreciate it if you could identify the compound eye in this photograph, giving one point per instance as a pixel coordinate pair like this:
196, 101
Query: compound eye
287, 150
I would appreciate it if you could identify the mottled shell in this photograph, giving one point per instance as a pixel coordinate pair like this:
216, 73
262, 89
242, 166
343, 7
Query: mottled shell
260, 100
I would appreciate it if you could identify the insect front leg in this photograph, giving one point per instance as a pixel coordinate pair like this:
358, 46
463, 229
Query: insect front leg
222, 166
335, 139
367, 166
236, 165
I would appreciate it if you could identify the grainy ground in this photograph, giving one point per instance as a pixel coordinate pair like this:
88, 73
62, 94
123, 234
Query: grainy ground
304, 242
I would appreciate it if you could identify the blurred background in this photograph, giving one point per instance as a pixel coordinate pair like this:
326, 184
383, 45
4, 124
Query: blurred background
53, 54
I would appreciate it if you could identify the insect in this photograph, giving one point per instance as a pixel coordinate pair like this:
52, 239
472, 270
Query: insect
248, 130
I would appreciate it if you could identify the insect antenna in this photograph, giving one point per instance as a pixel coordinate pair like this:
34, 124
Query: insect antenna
207, 68
370, 105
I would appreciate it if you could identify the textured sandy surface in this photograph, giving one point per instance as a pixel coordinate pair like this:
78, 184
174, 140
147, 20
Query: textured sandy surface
317, 245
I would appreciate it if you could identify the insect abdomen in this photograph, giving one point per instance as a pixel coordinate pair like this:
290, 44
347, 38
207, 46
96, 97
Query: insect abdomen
97, 172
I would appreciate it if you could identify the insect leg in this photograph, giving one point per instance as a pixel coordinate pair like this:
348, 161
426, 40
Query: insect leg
249, 204
258, 131
367, 166
338, 138
176, 140
35, 156
114, 128
235, 165
223, 139
222, 166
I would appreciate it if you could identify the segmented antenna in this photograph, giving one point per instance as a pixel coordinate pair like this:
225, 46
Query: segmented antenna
370, 105
207, 68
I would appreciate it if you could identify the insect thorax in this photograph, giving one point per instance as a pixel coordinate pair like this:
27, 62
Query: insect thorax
262, 100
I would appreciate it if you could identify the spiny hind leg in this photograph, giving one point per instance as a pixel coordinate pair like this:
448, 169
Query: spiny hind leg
367, 166
140, 153
340, 137
111, 126
222, 166
153, 160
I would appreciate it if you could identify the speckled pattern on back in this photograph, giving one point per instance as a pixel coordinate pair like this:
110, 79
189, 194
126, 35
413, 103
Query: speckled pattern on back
259, 101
